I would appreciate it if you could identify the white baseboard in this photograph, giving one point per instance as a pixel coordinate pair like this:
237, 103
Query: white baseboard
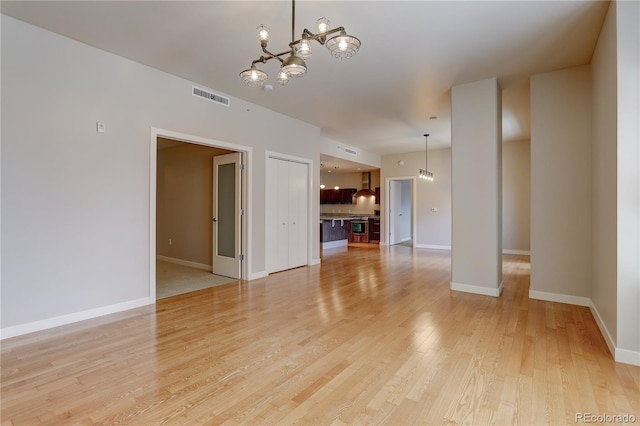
431, 246
603, 328
335, 244
518, 252
315, 262
559, 298
188, 263
257, 275
485, 291
32, 327
627, 357
384, 243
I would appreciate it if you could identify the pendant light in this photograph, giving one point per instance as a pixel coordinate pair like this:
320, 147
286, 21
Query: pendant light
424, 173
341, 46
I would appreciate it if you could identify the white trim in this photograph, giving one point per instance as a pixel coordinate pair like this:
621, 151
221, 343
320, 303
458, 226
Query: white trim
195, 265
431, 246
626, 356
603, 328
153, 164
485, 291
257, 275
45, 324
334, 244
384, 244
518, 252
315, 262
560, 298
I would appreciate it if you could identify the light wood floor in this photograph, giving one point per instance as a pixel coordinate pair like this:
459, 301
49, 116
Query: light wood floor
370, 336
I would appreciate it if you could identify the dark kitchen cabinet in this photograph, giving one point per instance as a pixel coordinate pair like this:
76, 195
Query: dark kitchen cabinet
374, 229
377, 191
337, 196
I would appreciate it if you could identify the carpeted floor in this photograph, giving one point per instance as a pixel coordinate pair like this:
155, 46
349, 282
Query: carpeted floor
172, 279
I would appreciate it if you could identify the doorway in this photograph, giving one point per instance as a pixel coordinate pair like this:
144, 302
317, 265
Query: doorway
183, 184
400, 212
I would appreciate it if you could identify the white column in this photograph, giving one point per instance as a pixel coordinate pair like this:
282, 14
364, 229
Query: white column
476, 141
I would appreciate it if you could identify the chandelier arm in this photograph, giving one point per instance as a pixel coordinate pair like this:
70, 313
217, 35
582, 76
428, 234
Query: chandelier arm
320, 37
273, 55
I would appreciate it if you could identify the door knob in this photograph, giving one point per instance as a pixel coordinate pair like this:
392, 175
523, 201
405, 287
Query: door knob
215, 220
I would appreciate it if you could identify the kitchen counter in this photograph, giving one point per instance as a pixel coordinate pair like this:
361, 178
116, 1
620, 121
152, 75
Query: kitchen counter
347, 216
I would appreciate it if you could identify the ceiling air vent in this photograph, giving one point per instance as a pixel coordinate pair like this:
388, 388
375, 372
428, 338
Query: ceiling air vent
350, 151
211, 97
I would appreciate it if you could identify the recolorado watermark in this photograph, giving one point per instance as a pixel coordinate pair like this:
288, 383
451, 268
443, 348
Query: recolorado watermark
605, 418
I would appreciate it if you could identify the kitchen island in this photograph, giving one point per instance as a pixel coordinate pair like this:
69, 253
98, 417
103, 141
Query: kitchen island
334, 230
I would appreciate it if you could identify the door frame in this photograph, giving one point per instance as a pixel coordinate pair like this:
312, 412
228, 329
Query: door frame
387, 218
310, 198
246, 242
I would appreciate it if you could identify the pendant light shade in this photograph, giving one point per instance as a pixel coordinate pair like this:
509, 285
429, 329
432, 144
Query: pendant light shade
343, 46
294, 66
253, 77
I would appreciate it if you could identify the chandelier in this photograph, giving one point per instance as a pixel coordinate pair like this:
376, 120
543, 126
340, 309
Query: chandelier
341, 46
424, 173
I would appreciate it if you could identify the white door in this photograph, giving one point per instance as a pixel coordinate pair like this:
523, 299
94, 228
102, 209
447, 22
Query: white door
395, 211
227, 180
287, 213
298, 207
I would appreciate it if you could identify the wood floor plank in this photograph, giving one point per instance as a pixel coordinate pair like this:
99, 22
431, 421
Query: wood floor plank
370, 336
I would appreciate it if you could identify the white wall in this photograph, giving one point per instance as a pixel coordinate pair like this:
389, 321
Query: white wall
628, 175
433, 229
476, 154
75, 225
516, 191
604, 222
561, 183
338, 149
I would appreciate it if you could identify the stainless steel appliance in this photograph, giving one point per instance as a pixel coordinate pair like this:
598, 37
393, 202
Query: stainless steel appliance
359, 231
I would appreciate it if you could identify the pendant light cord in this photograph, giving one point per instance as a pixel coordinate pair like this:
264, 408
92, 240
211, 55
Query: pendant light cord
293, 21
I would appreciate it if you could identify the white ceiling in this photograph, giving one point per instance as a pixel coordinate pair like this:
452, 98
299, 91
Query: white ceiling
412, 53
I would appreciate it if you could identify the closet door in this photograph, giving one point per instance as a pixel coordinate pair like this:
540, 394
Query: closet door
298, 214
277, 215
286, 214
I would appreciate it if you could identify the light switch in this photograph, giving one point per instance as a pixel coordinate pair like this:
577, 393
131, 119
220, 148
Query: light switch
101, 127
434, 209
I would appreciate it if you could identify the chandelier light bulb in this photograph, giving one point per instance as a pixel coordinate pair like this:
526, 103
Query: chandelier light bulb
343, 45
304, 50
263, 32
283, 78
323, 24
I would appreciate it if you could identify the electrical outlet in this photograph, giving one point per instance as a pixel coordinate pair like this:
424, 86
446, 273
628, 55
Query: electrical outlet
434, 209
